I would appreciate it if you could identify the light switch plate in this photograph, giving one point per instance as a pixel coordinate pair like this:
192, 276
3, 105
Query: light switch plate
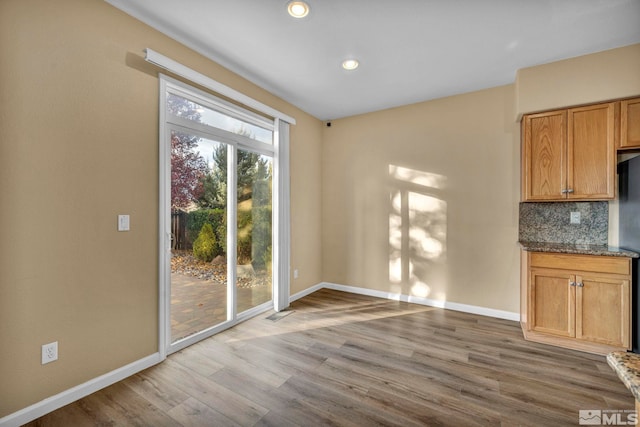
123, 222
575, 217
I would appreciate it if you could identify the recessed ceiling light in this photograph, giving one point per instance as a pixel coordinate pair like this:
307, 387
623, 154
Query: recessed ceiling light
350, 64
298, 9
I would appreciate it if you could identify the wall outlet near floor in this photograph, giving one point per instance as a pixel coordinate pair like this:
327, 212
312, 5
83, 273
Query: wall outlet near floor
49, 352
295, 273
575, 217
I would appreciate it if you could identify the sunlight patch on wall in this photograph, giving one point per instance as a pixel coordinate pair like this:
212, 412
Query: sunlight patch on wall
395, 269
417, 228
421, 290
428, 225
424, 244
395, 230
425, 179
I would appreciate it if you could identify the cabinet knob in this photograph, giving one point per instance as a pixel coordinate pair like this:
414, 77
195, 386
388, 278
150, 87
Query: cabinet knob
570, 190
580, 285
572, 283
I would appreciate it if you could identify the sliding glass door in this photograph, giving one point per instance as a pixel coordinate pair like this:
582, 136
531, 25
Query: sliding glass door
217, 213
254, 233
198, 279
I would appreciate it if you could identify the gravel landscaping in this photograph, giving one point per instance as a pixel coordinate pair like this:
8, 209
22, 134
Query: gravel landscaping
183, 262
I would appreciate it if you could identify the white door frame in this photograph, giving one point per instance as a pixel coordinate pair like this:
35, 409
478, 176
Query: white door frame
281, 219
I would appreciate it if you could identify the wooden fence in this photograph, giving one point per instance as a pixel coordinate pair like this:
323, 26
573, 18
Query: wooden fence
179, 238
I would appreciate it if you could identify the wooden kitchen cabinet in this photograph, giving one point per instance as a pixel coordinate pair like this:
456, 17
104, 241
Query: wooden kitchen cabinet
544, 154
552, 302
603, 309
577, 301
630, 123
591, 152
569, 154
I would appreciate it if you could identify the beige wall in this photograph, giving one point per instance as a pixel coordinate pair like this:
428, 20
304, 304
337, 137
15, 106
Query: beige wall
585, 79
422, 200
378, 214
79, 145
306, 202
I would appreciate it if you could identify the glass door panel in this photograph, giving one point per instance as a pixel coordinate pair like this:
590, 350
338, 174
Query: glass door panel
254, 230
198, 234
189, 110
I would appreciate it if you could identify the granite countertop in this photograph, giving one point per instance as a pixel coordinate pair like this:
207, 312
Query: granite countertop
582, 249
627, 366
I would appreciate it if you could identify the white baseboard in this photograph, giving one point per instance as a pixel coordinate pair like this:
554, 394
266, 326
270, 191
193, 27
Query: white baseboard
473, 309
59, 400
306, 292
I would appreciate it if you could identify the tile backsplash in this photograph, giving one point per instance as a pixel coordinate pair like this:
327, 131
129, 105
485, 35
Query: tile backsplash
550, 222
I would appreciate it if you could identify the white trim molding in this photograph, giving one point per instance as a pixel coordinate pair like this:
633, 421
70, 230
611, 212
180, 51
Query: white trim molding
448, 305
59, 400
192, 75
282, 217
306, 292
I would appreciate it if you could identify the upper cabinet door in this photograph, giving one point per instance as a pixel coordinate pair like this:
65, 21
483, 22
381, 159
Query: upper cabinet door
543, 160
591, 155
630, 123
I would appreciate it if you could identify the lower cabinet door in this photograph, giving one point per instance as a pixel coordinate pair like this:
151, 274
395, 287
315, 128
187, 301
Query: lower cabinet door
602, 310
552, 302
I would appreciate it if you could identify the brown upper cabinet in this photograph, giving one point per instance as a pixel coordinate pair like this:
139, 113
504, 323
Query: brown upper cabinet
569, 154
630, 123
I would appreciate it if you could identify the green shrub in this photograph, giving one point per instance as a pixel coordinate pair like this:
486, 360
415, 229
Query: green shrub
267, 261
218, 220
244, 247
221, 235
204, 248
195, 221
244, 218
261, 238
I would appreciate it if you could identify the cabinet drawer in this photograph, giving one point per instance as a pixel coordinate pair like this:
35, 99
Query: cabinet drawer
595, 263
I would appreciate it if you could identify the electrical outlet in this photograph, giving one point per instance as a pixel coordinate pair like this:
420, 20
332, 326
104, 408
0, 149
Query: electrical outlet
295, 273
575, 217
49, 352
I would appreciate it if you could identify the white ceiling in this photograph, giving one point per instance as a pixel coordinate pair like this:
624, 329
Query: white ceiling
409, 50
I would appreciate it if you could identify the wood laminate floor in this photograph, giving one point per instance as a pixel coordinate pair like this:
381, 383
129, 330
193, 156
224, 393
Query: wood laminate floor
351, 360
